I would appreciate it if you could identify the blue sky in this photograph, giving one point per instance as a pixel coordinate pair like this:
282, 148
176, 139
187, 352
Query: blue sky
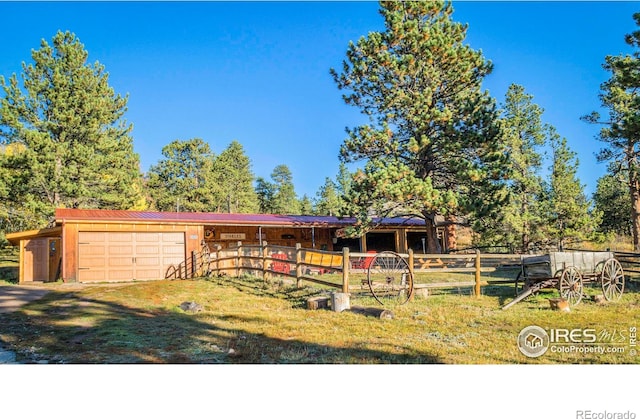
258, 72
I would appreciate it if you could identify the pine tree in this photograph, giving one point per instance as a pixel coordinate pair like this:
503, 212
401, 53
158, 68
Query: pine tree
525, 134
182, 180
570, 218
234, 179
284, 200
328, 201
612, 200
432, 146
77, 149
621, 96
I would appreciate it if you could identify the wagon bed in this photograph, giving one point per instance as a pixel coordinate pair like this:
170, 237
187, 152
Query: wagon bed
567, 271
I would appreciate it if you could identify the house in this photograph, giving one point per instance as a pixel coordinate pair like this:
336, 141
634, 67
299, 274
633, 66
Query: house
85, 245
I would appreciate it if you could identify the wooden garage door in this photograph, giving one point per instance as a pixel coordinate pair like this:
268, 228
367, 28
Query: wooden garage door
111, 256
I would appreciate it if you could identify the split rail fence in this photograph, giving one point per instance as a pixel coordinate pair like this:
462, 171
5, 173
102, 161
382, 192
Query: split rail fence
345, 270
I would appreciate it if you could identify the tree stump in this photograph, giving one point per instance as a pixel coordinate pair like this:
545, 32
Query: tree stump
317, 303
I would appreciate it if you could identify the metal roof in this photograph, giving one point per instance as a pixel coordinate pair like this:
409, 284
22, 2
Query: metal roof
93, 215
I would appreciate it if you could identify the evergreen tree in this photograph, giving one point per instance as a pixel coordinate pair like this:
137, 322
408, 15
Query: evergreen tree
432, 146
76, 146
265, 191
621, 133
328, 201
182, 181
568, 208
524, 134
306, 206
234, 179
612, 200
284, 200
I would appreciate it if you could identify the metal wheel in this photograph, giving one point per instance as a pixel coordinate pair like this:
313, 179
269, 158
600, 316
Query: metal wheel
570, 285
612, 280
390, 279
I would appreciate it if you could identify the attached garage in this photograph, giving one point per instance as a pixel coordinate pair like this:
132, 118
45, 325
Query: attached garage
85, 245
122, 256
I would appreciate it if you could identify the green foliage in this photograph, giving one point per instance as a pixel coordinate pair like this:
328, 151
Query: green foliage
612, 200
279, 196
569, 218
433, 145
620, 95
522, 216
67, 142
182, 180
234, 179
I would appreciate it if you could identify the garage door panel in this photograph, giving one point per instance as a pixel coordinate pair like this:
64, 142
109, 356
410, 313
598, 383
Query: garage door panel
93, 249
120, 237
147, 261
148, 237
123, 249
118, 256
148, 250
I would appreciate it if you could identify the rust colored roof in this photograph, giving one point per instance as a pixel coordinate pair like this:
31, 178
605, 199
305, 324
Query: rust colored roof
92, 215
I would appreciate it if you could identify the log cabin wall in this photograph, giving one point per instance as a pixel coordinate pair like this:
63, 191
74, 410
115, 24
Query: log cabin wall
229, 236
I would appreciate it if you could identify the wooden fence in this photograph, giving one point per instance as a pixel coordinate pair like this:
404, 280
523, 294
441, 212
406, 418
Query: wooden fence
311, 265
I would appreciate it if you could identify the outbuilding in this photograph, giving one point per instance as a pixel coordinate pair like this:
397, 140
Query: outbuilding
110, 245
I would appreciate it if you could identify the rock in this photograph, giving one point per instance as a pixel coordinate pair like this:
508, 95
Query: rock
191, 307
559, 304
599, 299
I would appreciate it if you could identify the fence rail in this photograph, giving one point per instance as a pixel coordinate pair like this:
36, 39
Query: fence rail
345, 268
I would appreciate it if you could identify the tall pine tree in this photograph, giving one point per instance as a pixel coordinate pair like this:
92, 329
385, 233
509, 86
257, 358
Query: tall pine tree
620, 95
76, 149
433, 146
569, 217
234, 179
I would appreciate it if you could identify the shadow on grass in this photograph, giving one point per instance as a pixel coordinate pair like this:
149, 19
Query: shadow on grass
67, 327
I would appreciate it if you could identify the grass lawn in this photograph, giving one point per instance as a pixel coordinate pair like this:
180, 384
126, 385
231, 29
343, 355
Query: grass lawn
243, 320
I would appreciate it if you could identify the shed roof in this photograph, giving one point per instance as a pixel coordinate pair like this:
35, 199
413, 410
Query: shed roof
92, 215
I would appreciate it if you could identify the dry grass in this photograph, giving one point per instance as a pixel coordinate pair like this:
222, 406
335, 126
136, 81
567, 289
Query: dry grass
246, 321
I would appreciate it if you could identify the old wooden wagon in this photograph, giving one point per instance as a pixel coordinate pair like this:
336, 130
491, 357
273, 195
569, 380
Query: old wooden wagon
569, 272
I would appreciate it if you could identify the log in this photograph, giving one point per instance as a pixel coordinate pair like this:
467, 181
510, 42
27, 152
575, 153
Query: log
317, 303
372, 312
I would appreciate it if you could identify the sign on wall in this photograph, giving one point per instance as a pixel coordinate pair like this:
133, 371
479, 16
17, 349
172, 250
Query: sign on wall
233, 236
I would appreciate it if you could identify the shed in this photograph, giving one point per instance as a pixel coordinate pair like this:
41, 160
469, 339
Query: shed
86, 245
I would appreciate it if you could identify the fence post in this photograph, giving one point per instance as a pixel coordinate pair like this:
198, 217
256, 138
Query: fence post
264, 260
298, 265
194, 263
345, 270
238, 259
218, 247
477, 287
411, 271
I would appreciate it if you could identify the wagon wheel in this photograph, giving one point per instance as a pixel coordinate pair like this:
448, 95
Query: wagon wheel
519, 286
390, 279
570, 285
612, 278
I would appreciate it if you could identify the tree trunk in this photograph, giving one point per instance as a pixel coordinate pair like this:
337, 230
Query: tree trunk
433, 244
451, 238
634, 191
